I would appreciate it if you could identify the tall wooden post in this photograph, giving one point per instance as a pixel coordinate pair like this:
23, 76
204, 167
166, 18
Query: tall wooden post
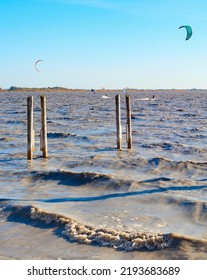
43, 131
30, 128
118, 122
129, 122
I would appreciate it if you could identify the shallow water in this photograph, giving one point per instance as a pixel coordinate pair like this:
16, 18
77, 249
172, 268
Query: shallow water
94, 202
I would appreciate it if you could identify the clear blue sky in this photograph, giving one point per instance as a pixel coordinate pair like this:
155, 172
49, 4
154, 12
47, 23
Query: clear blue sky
103, 43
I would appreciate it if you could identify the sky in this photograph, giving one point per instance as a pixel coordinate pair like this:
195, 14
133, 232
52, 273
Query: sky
110, 44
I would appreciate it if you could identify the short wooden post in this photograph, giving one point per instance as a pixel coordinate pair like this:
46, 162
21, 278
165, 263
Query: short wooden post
129, 122
43, 131
30, 128
118, 122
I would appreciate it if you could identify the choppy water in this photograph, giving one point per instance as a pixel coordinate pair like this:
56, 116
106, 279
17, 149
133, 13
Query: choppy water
90, 201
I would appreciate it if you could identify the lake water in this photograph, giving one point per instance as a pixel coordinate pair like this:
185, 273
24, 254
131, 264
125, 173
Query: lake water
90, 201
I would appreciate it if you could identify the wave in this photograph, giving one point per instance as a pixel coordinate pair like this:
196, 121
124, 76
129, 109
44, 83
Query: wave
93, 180
88, 234
16, 122
164, 146
75, 231
59, 135
196, 210
178, 147
71, 178
176, 165
96, 179
56, 135
14, 112
108, 186
6, 139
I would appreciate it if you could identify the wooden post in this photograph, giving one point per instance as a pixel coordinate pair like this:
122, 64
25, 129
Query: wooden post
118, 122
30, 129
129, 122
43, 131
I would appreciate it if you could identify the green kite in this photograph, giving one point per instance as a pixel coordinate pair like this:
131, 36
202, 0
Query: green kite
189, 31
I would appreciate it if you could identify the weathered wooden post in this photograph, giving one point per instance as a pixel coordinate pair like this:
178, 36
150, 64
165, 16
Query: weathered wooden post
30, 128
118, 122
129, 122
43, 131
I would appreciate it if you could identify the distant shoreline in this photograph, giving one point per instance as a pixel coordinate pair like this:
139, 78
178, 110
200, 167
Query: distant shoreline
103, 90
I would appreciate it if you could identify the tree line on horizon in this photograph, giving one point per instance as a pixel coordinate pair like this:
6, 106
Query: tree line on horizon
63, 89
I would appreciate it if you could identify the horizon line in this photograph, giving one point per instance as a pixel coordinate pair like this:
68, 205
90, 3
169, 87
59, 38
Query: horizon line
14, 88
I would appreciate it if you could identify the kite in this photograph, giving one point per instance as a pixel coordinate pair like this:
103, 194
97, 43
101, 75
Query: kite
189, 31
36, 64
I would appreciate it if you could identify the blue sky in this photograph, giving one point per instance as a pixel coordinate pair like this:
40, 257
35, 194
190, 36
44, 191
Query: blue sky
103, 43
